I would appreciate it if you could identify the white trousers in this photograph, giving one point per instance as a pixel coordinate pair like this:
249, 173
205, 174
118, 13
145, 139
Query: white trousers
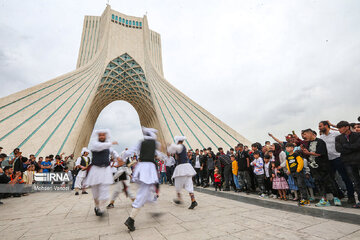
184, 182
100, 192
78, 181
123, 185
146, 193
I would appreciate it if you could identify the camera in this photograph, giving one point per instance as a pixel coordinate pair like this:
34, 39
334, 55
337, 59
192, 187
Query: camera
313, 164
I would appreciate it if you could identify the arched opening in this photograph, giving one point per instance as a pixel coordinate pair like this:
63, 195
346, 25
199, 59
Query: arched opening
123, 79
123, 121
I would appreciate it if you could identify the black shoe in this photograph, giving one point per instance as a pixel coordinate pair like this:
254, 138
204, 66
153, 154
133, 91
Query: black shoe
130, 224
96, 211
193, 205
111, 205
77, 193
351, 200
227, 189
1, 203
206, 185
84, 192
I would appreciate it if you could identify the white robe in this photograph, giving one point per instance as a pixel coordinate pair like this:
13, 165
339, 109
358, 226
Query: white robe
182, 170
100, 175
144, 172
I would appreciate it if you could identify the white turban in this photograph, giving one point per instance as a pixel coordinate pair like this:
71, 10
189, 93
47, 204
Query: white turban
84, 150
179, 139
106, 131
149, 133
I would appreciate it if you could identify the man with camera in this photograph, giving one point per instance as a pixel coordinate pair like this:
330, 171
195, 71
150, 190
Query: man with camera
320, 167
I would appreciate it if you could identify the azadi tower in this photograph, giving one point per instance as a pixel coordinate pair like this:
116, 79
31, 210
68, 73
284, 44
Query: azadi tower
119, 59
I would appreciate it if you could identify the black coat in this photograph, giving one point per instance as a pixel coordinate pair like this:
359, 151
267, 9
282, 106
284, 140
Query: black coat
349, 149
19, 164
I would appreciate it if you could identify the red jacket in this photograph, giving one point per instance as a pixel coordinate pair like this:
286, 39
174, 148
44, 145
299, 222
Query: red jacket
217, 177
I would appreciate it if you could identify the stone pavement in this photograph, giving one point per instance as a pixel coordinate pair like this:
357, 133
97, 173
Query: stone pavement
345, 213
63, 215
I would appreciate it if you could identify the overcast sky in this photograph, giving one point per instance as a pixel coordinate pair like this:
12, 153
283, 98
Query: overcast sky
259, 66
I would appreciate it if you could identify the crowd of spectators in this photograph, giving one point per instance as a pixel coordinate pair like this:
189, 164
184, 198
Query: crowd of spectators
18, 169
307, 168
304, 168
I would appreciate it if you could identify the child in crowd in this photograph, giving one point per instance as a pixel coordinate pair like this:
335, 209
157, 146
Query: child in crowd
271, 154
258, 165
292, 184
278, 181
162, 169
28, 175
295, 165
267, 170
235, 168
217, 177
309, 181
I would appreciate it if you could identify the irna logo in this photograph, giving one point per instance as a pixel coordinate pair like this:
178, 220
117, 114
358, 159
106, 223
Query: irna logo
49, 177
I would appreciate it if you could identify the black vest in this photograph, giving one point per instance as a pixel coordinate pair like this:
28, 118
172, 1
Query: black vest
102, 158
147, 150
84, 161
182, 157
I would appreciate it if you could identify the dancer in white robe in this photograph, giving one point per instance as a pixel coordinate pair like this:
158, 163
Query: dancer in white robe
81, 164
183, 172
123, 184
99, 177
145, 173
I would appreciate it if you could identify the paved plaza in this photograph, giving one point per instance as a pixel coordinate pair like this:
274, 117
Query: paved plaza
63, 215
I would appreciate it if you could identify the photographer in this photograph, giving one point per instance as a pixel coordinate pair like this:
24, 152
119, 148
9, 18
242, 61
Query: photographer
320, 167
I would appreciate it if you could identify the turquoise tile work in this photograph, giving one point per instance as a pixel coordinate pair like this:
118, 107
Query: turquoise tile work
126, 74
